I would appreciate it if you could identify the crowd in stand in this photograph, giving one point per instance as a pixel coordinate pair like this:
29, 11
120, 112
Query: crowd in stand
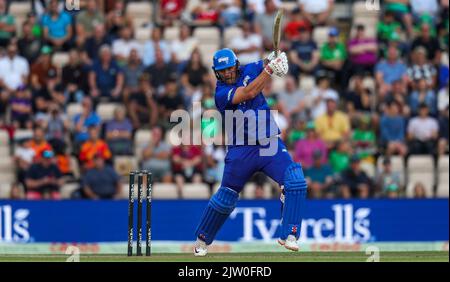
334, 130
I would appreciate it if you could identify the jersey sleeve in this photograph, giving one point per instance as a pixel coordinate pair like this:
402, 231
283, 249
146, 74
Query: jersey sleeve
224, 97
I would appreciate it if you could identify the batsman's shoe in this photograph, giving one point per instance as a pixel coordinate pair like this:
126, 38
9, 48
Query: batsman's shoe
290, 243
200, 248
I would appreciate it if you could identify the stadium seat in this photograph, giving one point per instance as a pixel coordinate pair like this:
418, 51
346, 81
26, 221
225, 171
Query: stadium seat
278, 84
397, 165
4, 137
249, 191
60, 59
164, 191
421, 164
142, 138
171, 33
4, 151
140, 13
216, 187
207, 35
443, 177
106, 110
67, 190
22, 133
359, 9
73, 109
307, 83
7, 177
426, 179
124, 164
142, 34
19, 8
207, 52
368, 168
288, 5
195, 191
230, 33
5, 190
320, 35
75, 167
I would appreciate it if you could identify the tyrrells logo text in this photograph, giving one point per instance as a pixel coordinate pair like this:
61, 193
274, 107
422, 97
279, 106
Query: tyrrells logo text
14, 224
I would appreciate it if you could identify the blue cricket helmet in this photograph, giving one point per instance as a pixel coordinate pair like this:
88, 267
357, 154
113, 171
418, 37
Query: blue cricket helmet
224, 58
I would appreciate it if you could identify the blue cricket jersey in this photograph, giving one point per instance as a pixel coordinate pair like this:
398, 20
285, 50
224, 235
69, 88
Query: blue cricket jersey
256, 110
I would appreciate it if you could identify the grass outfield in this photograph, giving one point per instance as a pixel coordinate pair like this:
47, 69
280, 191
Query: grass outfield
243, 257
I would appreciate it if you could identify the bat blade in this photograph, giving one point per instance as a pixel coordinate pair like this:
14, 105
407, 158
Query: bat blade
277, 31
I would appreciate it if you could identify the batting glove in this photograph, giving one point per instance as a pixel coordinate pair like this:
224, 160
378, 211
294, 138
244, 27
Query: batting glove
278, 66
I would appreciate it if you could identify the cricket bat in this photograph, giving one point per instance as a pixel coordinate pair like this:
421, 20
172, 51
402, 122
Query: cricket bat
277, 32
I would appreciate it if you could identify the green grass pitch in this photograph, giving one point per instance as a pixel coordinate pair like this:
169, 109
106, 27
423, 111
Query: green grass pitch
243, 257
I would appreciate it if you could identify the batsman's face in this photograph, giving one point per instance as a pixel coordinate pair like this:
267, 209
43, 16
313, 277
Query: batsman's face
228, 75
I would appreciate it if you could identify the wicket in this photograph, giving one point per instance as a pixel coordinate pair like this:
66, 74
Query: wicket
140, 198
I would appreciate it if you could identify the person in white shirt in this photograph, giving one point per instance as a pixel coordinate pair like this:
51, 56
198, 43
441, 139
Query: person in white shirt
420, 7
248, 46
122, 46
443, 96
321, 91
14, 69
317, 12
183, 46
423, 132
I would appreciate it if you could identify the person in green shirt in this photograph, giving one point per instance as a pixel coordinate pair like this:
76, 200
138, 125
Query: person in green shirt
340, 158
387, 27
88, 19
333, 57
400, 9
7, 25
364, 139
36, 28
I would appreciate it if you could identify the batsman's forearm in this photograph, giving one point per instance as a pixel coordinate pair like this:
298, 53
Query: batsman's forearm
257, 85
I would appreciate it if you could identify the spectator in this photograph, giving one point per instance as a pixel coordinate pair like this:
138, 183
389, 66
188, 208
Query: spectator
206, 13
388, 181
419, 8
171, 10
187, 164
153, 46
419, 191
319, 93
123, 45
304, 54
56, 126
317, 12
319, 176
170, 101
57, 27
156, 156
355, 182
334, 125
101, 181
194, 76
392, 130
364, 140
85, 119
422, 94
36, 27
14, 70
264, 23
215, 163
93, 43
132, 72
297, 131
431, 44
93, 147
38, 143
306, 148
29, 45
340, 158
21, 108
43, 179
399, 95
292, 99
387, 27
87, 19
295, 25
230, 12
400, 10
359, 100
106, 77
118, 133
7, 25
160, 72
141, 104
74, 78
362, 51
117, 18
248, 46
423, 133
182, 47
40, 72
333, 56
23, 159
420, 68
389, 70
443, 132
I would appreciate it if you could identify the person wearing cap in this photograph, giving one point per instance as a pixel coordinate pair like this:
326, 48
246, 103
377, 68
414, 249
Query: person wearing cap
354, 181
14, 69
7, 24
57, 27
319, 176
320, 92
304, 54
106, 77
387, 180
363, 51
333, 125
305, 148
333, 57
317, 12
389, 70
423, 132
43, 179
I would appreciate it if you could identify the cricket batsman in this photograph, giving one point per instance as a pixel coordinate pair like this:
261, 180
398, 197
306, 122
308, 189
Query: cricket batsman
240, 88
